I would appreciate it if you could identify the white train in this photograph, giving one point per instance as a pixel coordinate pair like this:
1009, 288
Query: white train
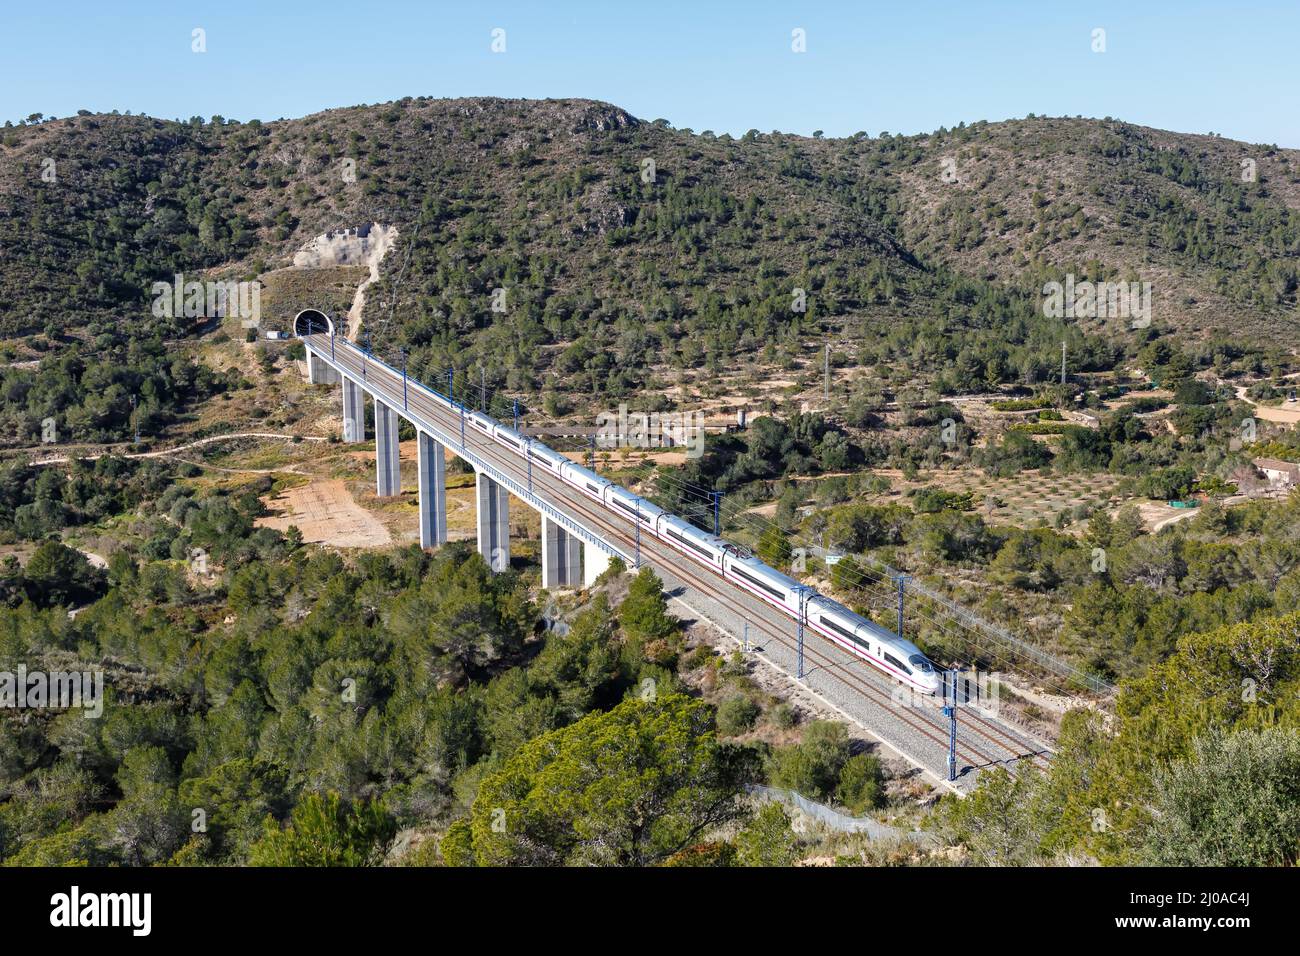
879, 647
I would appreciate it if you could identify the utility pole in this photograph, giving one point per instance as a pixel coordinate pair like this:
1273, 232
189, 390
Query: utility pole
902, 585
828, 374
744, 640
803, 611
1062, 363
716, 498
516, 414
482, 372
950, 711
636, 528
404, 402
135, 421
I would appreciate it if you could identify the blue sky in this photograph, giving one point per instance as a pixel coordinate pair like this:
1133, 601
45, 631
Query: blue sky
904, 66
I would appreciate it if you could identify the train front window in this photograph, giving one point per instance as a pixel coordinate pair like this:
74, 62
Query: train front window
921, 664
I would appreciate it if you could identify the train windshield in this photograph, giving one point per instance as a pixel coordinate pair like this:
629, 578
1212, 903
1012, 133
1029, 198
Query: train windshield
921, 664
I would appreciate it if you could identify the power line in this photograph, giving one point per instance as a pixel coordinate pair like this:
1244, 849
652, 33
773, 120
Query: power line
945, 617
953, 614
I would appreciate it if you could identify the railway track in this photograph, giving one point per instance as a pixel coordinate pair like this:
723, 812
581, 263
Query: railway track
995, 745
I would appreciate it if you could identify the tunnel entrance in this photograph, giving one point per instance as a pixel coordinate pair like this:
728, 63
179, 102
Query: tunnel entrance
312, 321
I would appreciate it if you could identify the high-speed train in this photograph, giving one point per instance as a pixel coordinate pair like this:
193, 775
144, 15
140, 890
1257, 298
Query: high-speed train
879, 647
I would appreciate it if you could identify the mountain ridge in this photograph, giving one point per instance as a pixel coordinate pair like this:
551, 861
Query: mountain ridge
553, 199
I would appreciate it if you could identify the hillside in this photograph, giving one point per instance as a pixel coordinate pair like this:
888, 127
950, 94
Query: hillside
923, 257
285, 660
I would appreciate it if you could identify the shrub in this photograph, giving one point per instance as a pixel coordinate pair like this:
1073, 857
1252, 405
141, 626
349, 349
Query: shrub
768, 840
812, 766
457, 846
784, 715
1017, 405
862, 783
1232, 802
644, 612
326, 831
933, 500
1014, 452
737, 715
697, 658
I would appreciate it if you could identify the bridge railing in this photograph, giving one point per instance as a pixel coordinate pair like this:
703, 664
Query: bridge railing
521, 492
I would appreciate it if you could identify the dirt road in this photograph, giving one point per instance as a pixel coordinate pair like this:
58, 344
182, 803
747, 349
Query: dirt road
164, 452
1288, 414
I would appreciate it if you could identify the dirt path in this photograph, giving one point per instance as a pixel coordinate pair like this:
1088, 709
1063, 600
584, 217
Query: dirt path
163, 453
385, 237
1182, 514
1286, 416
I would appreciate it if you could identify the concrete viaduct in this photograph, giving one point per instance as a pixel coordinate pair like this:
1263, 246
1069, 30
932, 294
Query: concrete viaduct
573, 554
581, 535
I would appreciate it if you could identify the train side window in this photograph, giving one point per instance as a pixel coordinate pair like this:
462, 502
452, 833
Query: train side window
897, 663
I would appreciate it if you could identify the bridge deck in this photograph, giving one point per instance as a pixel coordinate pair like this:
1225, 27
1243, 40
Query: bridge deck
915, 728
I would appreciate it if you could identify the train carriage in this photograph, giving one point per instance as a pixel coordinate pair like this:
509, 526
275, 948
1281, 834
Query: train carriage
765, 582
545, 456
509, 437
480, 422
880, 647
621, 501
588, 482
691, 541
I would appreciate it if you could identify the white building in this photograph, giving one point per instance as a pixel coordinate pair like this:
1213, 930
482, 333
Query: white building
1281, 475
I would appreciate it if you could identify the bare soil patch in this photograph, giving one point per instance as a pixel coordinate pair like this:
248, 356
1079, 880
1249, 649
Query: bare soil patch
326, 513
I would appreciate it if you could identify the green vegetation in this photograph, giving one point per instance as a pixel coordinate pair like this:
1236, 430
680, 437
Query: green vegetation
54, 576
737, 714
324, 832
1011, 454
630, 787
278, 706
1200, 769
1017, 404
614, 285
768, 839
35, 502
273, 704
100, 390
813, 766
